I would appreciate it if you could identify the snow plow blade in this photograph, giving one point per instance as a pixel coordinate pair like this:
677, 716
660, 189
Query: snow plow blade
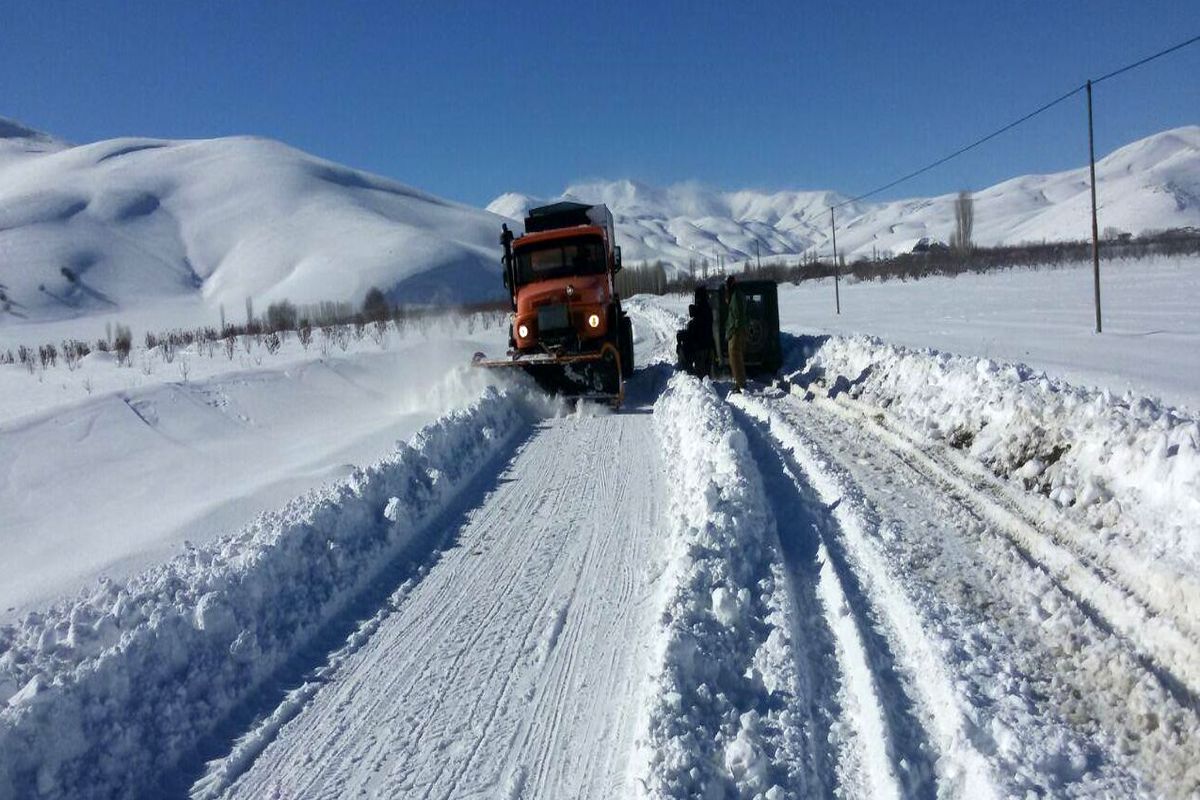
582, 376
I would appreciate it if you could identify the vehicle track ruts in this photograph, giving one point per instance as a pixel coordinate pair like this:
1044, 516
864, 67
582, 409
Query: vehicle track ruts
888, 743
1056, 699
1165, 637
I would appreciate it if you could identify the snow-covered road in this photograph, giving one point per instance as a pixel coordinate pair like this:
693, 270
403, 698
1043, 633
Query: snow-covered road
513, 666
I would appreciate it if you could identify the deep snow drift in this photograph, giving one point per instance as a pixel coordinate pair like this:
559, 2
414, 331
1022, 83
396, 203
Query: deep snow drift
135, 221
1150, 184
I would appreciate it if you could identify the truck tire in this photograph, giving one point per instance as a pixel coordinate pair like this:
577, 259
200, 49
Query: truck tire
625, 345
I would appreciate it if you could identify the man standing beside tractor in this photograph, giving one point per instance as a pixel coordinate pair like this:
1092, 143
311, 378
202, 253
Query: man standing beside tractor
736, 326
732, 330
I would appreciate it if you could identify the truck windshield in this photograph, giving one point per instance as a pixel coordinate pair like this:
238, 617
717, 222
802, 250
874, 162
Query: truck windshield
560, 260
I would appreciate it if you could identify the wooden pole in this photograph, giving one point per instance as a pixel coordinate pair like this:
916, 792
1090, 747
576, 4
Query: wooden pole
1095, 221
837, 295
757, 256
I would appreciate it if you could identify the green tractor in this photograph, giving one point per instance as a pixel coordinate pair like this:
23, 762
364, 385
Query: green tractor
700, 347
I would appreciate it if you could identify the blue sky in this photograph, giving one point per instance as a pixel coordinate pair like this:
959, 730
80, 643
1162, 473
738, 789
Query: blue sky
468, 100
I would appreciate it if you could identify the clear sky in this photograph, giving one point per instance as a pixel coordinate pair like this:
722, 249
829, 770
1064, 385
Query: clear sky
470, 99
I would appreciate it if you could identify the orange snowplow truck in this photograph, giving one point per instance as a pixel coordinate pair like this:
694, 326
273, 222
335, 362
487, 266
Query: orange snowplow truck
568, 330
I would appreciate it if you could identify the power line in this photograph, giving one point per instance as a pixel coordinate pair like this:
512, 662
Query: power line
1015, 123
962, 150
1147, 59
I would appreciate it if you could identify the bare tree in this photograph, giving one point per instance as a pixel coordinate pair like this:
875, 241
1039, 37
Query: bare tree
964, 222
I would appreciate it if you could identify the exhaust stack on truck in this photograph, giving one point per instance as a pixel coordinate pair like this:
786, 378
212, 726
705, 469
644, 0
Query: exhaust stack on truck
567, 331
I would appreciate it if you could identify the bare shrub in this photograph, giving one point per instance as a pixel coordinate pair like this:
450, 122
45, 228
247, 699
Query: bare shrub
379, 333
73, 352
26, 358
122, 344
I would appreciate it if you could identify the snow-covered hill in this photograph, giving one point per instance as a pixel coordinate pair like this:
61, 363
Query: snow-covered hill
124, 224
1150, 184
138, 220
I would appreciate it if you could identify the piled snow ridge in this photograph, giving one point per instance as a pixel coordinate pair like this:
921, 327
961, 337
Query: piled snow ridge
103, 696
723, 715
1127, 466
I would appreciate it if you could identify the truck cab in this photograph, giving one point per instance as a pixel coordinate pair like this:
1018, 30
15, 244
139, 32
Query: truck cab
560, 278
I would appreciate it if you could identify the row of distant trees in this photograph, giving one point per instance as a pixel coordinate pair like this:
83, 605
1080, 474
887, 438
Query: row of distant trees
328, 325
958, 258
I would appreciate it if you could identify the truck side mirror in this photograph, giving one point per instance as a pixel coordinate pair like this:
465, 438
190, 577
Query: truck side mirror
617, 258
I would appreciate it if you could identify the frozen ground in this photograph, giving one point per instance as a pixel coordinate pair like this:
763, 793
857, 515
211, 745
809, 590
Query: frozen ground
905, 574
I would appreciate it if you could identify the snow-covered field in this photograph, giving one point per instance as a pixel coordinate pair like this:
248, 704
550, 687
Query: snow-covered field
112, 468
1042, 318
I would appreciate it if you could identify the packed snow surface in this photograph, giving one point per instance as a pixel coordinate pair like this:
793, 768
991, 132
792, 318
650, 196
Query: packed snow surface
1150, 184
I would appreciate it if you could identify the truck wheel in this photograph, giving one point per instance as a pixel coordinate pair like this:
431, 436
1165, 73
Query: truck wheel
626, 346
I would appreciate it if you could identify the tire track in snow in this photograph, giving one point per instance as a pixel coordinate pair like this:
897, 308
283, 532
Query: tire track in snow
960, 767
1058, 702
1164, 649
885, 749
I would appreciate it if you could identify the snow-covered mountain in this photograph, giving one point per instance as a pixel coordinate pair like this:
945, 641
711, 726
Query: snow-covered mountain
137, 220
126, 223
1153, 183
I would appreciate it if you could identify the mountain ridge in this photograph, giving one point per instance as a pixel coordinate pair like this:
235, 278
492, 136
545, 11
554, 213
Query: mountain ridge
1152, 183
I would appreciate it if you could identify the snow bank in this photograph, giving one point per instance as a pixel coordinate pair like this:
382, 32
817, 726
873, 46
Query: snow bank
722, 708
103, 697
1127, 466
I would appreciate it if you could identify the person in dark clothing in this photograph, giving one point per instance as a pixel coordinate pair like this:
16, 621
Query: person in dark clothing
702, 334
736, 328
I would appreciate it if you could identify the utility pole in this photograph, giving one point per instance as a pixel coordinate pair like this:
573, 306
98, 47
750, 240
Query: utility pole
837, 296
757, 256
1095, 223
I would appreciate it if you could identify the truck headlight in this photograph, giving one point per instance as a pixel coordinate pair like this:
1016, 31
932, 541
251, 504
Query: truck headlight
594, 321
522, 331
